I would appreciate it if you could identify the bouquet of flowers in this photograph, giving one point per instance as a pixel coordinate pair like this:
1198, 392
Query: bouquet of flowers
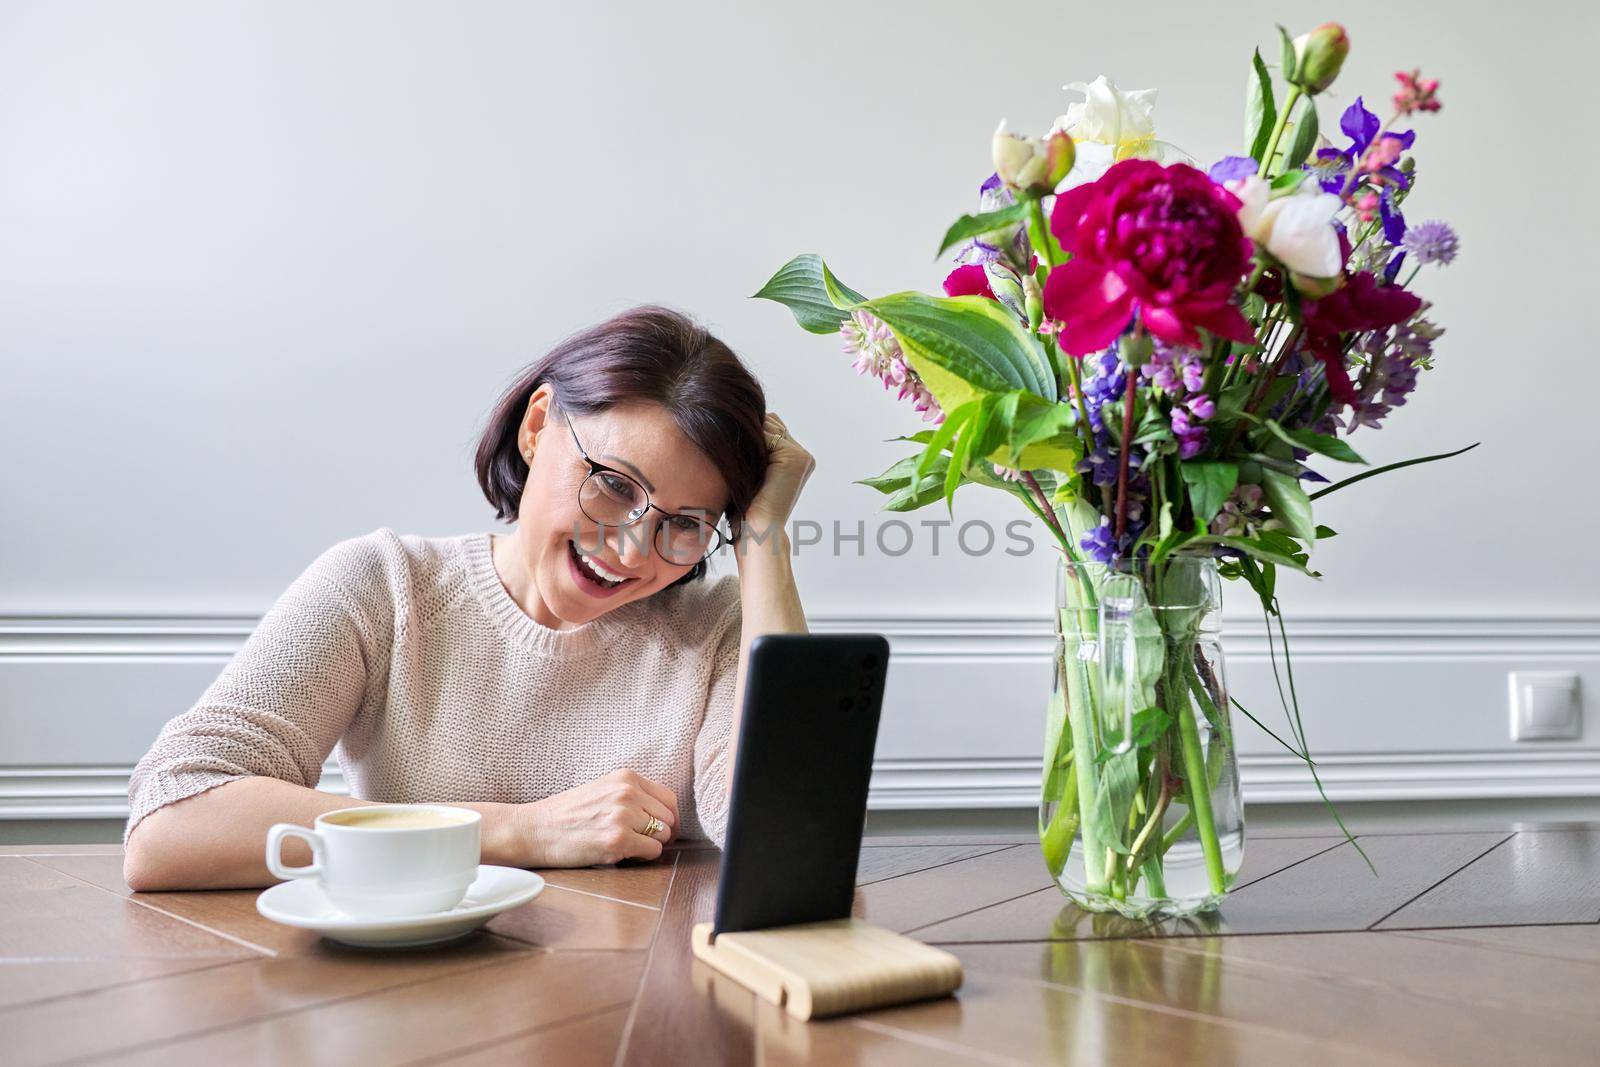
1154, 359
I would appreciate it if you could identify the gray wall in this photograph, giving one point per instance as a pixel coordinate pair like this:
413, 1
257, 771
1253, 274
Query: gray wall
266, 265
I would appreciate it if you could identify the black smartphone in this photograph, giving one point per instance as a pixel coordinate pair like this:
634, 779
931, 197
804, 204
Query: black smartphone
799, 803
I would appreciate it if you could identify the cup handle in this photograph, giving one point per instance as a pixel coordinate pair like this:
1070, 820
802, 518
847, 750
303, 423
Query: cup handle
275, 862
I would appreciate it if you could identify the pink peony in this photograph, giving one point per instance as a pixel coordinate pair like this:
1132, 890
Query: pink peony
1163, 243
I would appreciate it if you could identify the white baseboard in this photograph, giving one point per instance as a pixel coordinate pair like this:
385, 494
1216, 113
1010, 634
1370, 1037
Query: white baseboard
1396, 707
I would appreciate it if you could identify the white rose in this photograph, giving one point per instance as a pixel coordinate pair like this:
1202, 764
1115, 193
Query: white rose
1297, 229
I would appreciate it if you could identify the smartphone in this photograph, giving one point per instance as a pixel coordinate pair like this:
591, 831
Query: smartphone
799, 803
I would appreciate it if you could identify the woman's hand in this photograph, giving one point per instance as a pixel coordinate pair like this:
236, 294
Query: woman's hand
602, 821
788, 467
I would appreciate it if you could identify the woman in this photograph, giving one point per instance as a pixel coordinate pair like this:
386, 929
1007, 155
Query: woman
574, 680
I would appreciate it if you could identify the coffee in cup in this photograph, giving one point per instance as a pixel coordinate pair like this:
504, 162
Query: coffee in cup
386, 860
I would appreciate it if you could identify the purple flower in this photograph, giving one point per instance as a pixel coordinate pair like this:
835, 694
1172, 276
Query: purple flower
1099, 543
1230, 168
1240, 514
1191, 438
1433, 242
1391, 375
1194, 373
1011, 248
1161, 371
1103, 383
1399, 380
1172, 369
1362, 127
1100, 465
1200, 406
1333, 167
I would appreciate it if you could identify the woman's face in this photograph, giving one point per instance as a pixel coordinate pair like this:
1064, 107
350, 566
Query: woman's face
578, 569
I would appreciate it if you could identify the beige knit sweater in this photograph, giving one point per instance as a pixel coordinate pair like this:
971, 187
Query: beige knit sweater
407, 658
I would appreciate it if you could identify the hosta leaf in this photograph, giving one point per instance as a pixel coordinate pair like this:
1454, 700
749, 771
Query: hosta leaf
966, 345
807, 288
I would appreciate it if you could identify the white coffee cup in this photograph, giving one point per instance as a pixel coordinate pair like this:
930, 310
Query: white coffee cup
386, 860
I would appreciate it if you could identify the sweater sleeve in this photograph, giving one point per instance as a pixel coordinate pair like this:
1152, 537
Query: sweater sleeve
282, 702
711, 753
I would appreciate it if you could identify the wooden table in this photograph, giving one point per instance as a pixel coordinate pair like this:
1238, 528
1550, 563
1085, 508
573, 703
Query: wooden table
1470, 947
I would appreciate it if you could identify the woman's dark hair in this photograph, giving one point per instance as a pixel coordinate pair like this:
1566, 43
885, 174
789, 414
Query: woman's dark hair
646, 354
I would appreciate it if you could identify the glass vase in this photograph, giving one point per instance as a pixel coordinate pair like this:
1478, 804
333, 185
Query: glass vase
1140, 811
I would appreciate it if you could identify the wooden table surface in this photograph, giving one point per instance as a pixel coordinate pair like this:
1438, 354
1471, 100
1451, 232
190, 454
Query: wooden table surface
1469, 947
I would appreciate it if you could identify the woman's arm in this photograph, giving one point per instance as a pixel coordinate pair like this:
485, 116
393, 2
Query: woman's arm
216, 840
769, 603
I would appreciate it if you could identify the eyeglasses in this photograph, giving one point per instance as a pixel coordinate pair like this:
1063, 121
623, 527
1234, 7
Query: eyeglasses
611, 498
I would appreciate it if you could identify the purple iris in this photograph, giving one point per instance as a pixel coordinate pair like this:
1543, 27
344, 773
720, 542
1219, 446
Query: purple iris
1231, 168
1334, 165
1015, 251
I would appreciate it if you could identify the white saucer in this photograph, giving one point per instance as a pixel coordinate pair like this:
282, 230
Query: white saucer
302, 903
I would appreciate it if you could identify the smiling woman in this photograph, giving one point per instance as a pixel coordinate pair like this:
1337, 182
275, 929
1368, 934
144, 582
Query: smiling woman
573, 680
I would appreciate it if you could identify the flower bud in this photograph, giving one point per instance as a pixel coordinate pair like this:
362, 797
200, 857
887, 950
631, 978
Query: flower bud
1032, 301
1030, 165
1315, 288
1319, 55
1136, 349
1007, 288
1060, 155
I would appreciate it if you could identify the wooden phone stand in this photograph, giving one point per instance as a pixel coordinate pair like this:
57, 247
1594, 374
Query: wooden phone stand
819, 969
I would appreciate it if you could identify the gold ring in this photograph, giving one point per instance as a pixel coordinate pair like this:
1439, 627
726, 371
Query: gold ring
651, 827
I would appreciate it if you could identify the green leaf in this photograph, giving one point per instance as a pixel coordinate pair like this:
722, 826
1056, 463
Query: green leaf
945, 434
806, 287
1209, 485
1320, 493
921, 437
1311, 441
1290, 504
905, 489
1119, 781
1148, 726
1170, 542
1261, 576
1261, 112
969, 226
971, 434
1264, 553
896, 477
966, 345
1288, 182
1288, 55
913, 496
1304, 134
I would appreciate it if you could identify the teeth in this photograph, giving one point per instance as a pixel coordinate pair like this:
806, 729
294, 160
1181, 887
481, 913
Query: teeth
601, 569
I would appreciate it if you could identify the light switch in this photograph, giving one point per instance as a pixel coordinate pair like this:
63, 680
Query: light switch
1544, 706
